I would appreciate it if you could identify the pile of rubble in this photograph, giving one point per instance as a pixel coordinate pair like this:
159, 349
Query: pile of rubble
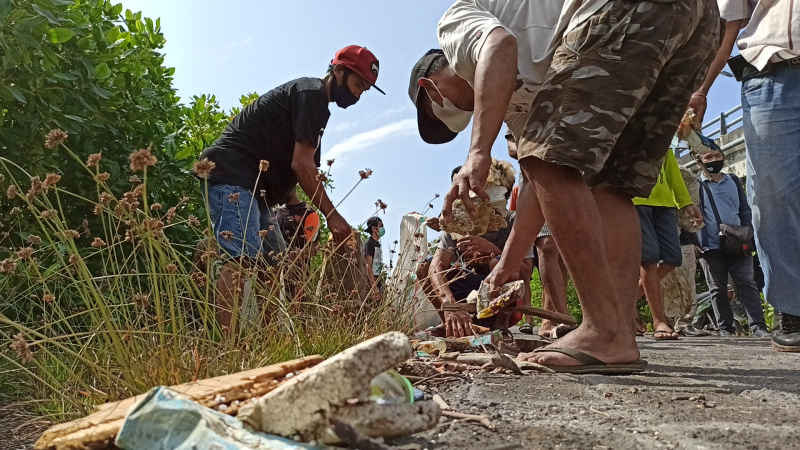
384, 387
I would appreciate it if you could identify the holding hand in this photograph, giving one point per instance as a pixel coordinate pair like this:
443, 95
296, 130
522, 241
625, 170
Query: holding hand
471, 177
457, 324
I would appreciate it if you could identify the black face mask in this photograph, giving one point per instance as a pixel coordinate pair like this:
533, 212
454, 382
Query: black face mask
342, 95
714, 166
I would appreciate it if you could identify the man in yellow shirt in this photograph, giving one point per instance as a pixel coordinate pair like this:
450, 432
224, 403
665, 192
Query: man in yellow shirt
661, 249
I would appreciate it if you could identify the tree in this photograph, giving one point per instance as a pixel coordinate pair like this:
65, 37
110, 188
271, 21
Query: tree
84, 67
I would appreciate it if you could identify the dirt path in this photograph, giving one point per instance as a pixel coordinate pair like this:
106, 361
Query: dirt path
19, 428
709, 393
701, 393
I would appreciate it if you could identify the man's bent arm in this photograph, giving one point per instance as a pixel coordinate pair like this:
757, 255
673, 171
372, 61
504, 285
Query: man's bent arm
495, 81
307, 174
720, 59
439, 266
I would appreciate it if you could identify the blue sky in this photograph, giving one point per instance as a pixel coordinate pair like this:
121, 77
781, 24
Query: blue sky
237, 46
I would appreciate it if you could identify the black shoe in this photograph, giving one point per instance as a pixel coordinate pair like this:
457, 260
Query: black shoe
761, 332
726, 333
693, 332
787, 338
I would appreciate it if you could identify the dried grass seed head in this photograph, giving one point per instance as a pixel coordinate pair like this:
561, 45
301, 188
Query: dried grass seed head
21, 348
51, 179
54, 138
34, 240
12, 192
25, 253
48, 298
94, 160
102, 177
203, 168
98, 243
8, 265
142, 159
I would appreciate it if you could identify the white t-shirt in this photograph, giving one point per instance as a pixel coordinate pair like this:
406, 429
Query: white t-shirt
537, 25
772, 32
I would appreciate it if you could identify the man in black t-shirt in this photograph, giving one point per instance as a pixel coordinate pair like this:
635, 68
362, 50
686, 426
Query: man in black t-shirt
372, 250
269, 147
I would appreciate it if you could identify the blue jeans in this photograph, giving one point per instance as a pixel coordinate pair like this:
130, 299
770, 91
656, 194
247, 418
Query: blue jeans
771, 112
238, 217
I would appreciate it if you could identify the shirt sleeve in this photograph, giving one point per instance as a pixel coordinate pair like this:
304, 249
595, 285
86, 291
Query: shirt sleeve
369, 249
309, 116
675, 180
447, 242
462, 31
730, 10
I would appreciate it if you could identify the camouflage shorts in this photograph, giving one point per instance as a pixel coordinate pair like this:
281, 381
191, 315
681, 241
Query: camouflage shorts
618, 85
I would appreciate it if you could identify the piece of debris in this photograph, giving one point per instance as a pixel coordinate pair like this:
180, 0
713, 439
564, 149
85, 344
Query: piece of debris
99, 430
166, 419
304, 406
440, 401
483, 420
434, 348
529, 365
501, 360
350, 436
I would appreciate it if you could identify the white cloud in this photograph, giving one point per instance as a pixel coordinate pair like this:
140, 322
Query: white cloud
396, 110
341, 127
372, 138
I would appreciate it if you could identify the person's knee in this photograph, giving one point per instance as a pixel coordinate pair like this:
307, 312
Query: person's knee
547, 248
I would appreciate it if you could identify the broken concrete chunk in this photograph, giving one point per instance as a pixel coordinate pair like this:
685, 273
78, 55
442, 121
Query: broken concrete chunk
303, 406
487, 219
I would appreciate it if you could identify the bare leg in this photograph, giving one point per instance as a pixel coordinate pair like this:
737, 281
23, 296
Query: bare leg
554, 281
229, 290
651, 276
574, 217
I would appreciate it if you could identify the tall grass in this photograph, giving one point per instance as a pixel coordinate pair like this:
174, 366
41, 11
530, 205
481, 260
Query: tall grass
106, 309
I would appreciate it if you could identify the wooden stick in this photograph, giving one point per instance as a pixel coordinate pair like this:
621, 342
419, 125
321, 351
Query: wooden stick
538, 312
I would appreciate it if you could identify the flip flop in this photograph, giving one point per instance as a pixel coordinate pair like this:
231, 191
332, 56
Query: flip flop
526, 328
661, 335
590, 364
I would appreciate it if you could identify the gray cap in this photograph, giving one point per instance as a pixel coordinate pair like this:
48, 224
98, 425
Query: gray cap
431, 129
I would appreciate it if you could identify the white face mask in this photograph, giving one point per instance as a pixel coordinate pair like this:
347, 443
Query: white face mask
454, 118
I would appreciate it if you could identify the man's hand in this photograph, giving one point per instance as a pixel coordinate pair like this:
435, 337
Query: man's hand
457, 324
471, 177
476, 248
698, 102
433, 224
339, 227
695, 215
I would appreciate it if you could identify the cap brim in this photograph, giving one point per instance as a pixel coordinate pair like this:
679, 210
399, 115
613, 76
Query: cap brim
431, 129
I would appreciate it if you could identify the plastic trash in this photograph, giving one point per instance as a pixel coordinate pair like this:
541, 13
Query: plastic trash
165, 420
391, 387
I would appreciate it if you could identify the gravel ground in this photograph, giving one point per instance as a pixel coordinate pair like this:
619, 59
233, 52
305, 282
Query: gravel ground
698, 393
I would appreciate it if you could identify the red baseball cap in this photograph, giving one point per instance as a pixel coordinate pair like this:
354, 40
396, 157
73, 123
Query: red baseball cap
361, 61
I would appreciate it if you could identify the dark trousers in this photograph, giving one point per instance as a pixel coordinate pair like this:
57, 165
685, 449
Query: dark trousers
741, 270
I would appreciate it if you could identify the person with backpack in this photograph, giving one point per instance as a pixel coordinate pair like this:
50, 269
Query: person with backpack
727, 247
